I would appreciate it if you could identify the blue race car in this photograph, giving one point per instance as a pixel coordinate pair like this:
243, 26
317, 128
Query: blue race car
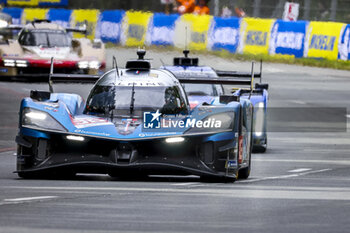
136, 121
206, 93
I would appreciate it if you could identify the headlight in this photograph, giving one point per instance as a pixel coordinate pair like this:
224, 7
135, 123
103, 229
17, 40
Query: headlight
21, 63
75, 138
174, 140
83, 64
13, 63
37, 119
3, 24
94, 64
9, 62
259, 119
87, 64
213, 123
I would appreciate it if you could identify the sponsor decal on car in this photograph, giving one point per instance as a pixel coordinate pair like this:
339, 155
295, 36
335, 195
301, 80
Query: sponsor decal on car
84, 122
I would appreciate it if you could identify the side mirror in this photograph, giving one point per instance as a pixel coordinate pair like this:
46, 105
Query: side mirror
224, 99
40, 95
75, 43
262, 86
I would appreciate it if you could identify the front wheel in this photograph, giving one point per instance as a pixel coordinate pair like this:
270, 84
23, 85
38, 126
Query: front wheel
244, 172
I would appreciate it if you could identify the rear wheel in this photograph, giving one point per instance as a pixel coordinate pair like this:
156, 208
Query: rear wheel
260, 148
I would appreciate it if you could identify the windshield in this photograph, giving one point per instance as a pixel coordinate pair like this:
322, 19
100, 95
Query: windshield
117, 100
46, 38
203, 89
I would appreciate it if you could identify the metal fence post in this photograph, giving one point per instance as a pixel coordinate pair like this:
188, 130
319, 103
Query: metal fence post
307, 4
256, 10
334, 5
216, 7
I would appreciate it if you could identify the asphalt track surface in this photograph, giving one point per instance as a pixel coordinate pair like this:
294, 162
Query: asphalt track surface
301, 184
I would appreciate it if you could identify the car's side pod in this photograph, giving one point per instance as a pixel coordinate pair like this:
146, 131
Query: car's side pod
262, 86
225, 99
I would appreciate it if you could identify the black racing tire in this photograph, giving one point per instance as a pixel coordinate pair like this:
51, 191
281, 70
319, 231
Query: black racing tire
259, 149
244, 173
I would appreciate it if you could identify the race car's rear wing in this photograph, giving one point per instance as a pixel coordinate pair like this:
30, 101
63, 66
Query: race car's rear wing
223, 81
74, 78
81, 29
237, 74
15, 27
230, 79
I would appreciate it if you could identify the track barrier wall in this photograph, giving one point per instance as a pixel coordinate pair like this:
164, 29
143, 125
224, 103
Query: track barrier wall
312, 39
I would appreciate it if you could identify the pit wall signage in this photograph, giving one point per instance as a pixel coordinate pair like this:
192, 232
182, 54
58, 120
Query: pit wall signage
36, 2
87, 17
224, 34
136, 26
255, 35
288, 38
197, 29
325, 40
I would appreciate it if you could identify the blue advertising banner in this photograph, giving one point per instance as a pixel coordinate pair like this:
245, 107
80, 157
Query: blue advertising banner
15, 13
162, 29
224, 34
288, 38
344, 44
60, 16
109, 26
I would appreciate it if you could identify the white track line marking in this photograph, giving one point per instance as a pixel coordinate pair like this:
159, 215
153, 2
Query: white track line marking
185, 184
299, 170
25, 200
30, 198
237, 191
298, 102
284, 176
334, 162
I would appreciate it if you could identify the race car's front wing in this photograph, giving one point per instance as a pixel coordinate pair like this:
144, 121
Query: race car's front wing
195, 155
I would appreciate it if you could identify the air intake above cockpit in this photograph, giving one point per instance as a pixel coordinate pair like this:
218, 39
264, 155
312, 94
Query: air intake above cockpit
185, 61
140, 63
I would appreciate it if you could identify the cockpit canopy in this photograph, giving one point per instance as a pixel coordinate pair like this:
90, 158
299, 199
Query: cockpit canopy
45, 38
132, 94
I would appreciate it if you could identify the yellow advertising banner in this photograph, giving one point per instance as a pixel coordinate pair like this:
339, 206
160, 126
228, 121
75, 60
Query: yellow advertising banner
137, 25
88, 17
23, 2
256, 35
34, 13
37, 2
199, 26
323, 39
